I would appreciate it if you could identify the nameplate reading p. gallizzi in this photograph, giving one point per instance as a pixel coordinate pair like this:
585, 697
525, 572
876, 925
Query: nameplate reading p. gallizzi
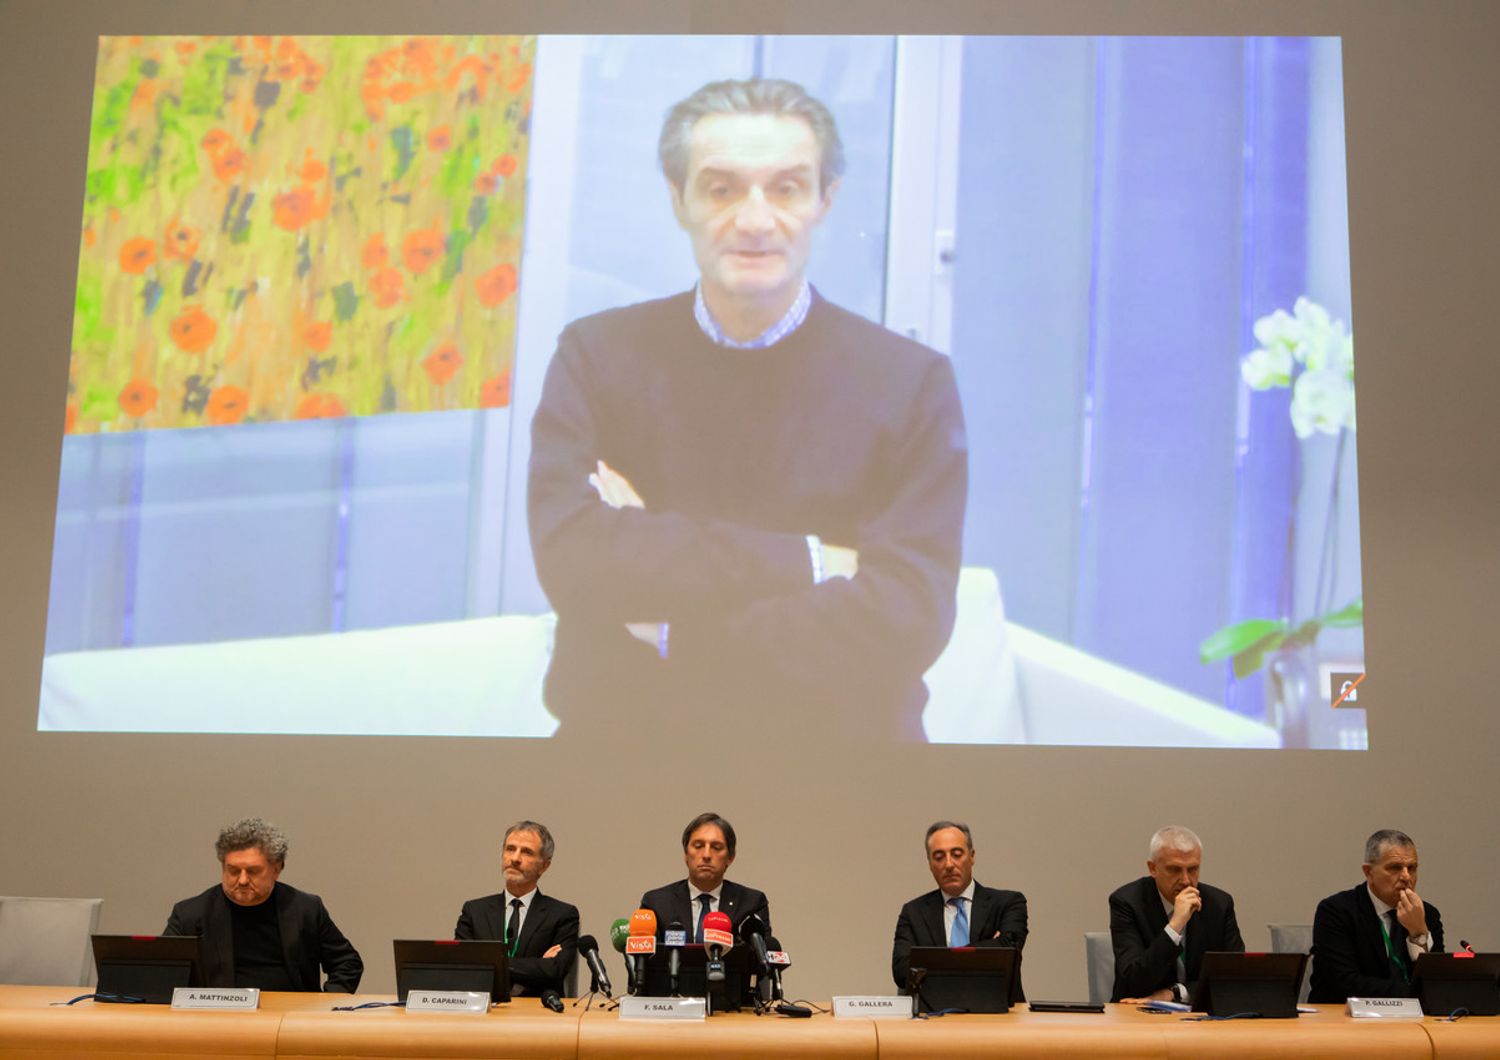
873, 1007
1384, 1008
447, 1001
216, 997
662, 1008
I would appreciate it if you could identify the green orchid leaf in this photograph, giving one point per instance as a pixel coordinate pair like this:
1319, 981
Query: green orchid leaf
1349, 616
1237, 638
1304, 634
1251, 659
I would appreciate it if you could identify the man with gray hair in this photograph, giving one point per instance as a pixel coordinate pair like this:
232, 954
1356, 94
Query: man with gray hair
962, 911
746, 503
540, 933
1162, 924
1366, 939
258, 931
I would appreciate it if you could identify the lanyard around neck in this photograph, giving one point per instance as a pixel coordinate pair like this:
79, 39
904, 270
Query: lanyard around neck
1390, 948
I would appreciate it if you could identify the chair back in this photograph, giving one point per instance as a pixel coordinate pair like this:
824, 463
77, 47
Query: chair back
1294, 938
47, 941
1099, 951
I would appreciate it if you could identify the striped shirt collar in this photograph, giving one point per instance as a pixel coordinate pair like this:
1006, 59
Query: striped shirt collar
790, 322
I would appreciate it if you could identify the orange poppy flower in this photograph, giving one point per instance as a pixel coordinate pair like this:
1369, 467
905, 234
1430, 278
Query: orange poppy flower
495, 392
496, 285
375, 253
138, 398
70, 419
293, 209
440, 139
193, 330
226, 405
388, 286
229, 164
313, 171
185, 48
487, 184
373, 95
317, 335
401, 91
137, 255
442, 363
179, 241
505, 165
90, 236
519, 78
214, 141
320, 407
421, 248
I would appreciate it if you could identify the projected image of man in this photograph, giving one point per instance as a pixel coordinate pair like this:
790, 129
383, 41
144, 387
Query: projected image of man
1162, 924
540, 933
258, 931
744, 501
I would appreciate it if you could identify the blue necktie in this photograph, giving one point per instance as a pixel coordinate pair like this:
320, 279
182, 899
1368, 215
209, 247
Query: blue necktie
703, 901
960, 935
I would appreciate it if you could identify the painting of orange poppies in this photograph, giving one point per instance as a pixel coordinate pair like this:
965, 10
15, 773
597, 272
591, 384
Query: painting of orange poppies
281, 228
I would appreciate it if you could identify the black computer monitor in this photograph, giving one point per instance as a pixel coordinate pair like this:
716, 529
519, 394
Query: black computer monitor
146, 968
1447, 982
966, 978
1260, 984
477, 965
692, 976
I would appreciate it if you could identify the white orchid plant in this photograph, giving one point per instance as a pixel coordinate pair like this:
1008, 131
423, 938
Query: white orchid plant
1313, 354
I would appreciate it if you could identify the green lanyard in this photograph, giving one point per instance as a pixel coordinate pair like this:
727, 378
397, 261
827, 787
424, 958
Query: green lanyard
1391, 950
513, 943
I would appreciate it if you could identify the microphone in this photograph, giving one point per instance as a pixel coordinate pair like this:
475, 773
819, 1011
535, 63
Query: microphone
674, 939
619, 931
780, 961
718, 939
553, 1000
641, 943
588, 949
753, 931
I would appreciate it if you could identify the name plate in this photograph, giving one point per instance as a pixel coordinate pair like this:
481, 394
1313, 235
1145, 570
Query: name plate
447, 1001
873, 1007
662, 1008
216, 997
1384, 1008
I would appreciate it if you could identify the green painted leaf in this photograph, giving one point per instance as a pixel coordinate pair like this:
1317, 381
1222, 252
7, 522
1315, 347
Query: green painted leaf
1251, 659
1237, 638
345, 301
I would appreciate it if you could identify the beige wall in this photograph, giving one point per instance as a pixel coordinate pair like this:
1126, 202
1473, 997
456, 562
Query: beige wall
388, 830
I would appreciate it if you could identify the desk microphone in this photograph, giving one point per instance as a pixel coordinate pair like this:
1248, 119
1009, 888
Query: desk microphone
674, 939
588, 949
641, 943
553, 1000
718, 939
619, 931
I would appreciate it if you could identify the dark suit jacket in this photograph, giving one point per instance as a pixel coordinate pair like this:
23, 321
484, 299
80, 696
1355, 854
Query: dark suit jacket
921, 924
1146, 956
548, 922
309, 938
671, 903
1349, 955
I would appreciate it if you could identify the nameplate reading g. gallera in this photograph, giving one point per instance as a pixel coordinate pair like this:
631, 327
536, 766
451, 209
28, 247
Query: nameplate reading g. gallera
662, 1008
1384, 1008
873, 1007
216, 997
447, 1001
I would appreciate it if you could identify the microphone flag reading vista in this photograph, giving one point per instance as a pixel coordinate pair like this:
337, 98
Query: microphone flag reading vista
641, 944
674, 938
619, 931
718, 939
588, 949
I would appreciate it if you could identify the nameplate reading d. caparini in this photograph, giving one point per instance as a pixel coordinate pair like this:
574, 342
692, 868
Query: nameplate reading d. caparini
216, 997
447, 1001
1384, 1008
874, 1007
662, 1008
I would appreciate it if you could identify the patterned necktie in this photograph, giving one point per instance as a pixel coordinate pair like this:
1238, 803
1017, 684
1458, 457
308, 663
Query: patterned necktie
960, 933
703, 911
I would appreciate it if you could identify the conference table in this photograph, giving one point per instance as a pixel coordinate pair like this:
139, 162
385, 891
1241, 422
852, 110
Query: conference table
35, 1025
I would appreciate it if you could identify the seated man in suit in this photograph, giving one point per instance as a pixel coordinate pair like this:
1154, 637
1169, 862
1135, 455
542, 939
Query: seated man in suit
258, 931
540, 933
1365, 940
1162, 924
961, 912
708, 844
